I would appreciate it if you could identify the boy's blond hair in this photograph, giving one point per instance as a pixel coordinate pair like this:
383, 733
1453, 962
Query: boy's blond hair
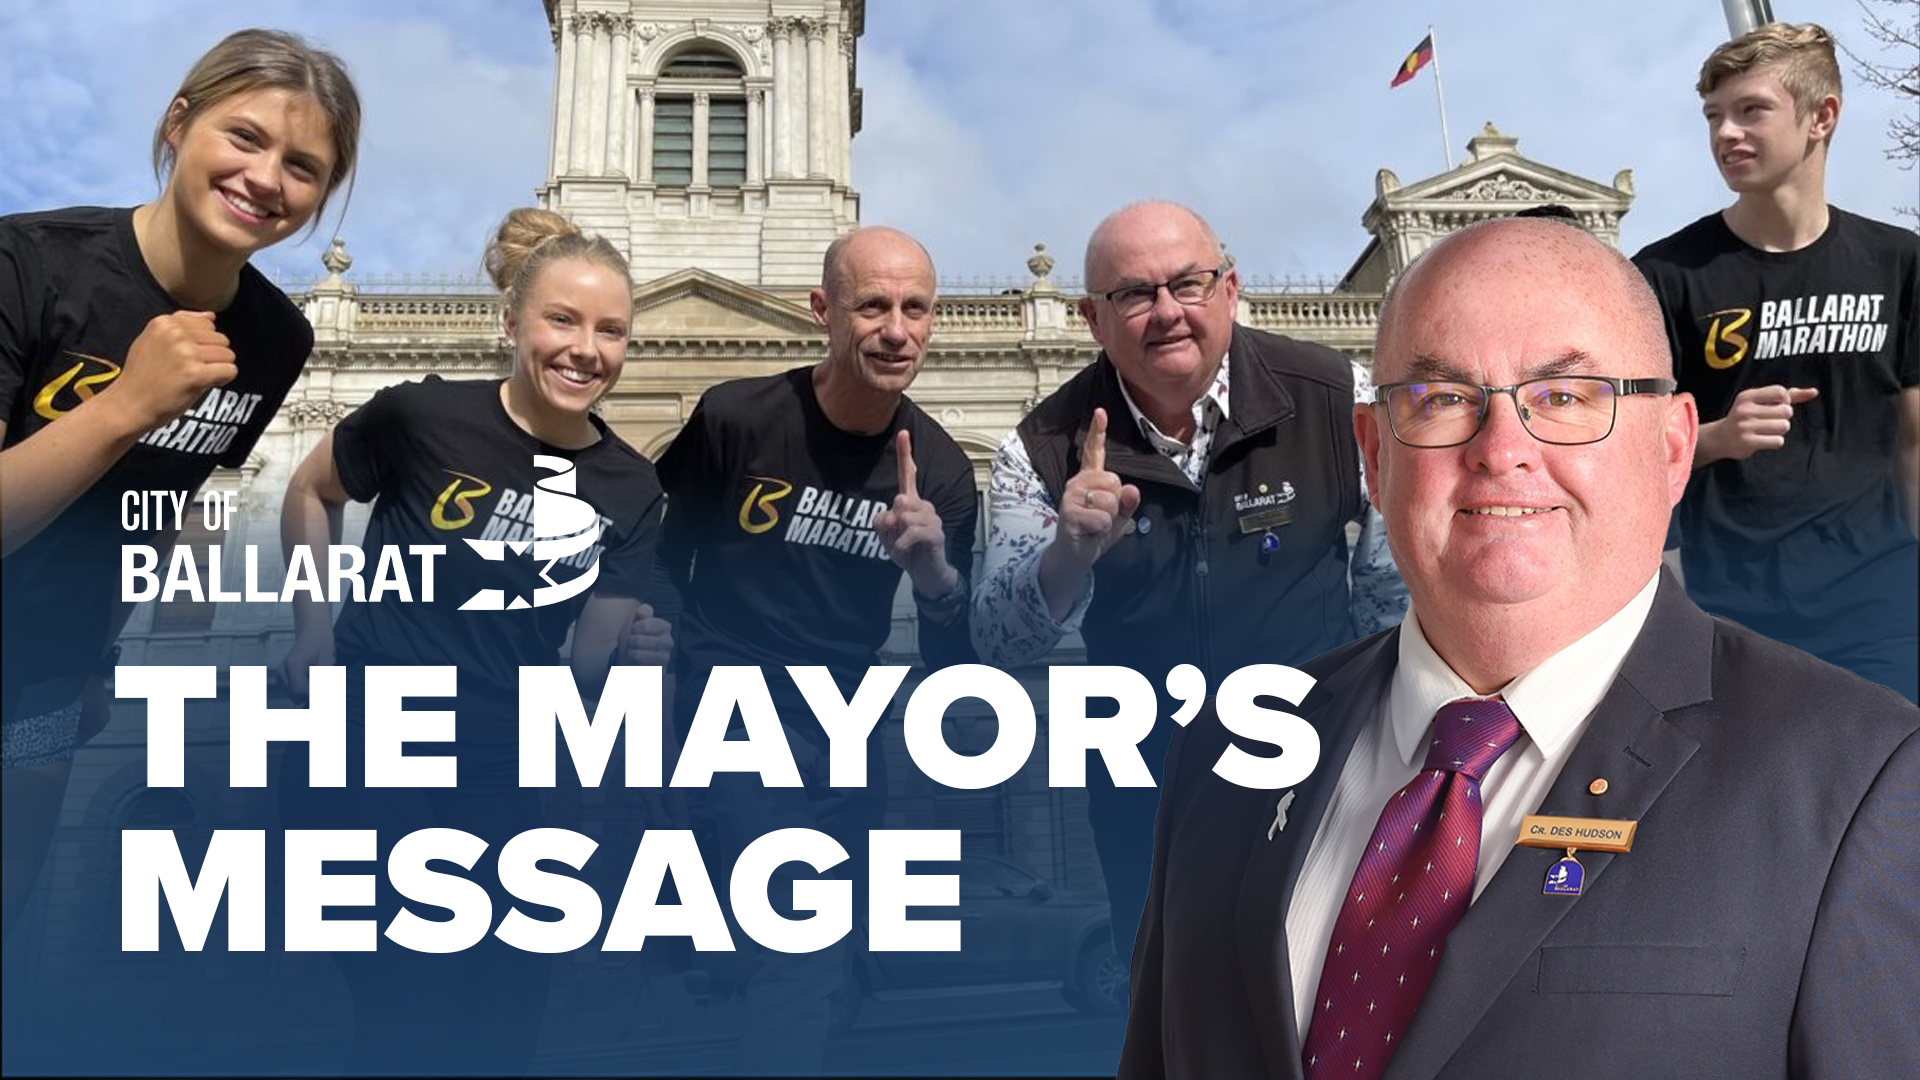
1801, 53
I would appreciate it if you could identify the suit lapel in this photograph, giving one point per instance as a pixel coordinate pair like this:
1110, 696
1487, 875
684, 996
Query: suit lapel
1350, 698
1631, 743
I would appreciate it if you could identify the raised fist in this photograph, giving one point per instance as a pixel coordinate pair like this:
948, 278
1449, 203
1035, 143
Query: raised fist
170, 366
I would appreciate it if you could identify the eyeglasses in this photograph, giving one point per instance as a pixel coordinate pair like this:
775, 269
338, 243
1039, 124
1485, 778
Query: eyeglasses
1566, 410
1189, 289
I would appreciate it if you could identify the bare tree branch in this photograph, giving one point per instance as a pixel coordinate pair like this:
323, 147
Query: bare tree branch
1895, 26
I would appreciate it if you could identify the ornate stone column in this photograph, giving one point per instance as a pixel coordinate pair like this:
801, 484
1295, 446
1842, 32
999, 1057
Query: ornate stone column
563, 95
816, 98
620, 121
644, 167
579, 133
756, 135
702, 113
597, 99
842, 109
783, 93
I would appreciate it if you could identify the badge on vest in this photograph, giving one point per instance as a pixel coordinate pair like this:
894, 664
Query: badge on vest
1567, 877
1264, 509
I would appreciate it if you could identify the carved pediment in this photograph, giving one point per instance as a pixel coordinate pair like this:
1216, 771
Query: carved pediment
693, 303
1504, 186
1507, 178
1495, 180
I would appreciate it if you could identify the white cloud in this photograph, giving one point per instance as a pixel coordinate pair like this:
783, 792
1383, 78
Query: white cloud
989, 124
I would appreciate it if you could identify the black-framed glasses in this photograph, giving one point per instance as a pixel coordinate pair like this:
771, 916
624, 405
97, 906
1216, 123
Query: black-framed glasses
1565, 410
1189, 289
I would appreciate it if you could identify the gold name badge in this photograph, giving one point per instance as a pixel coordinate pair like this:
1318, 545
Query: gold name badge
1592, 834
1265, 519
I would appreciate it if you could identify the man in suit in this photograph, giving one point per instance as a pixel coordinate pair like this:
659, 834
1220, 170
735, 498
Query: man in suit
1377, 919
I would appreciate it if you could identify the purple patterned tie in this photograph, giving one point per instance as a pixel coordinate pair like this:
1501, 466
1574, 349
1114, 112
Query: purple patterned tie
1412, 886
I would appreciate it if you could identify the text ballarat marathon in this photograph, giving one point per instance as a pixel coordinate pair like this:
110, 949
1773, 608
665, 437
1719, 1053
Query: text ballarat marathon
210, 428
842, 522
1834, 323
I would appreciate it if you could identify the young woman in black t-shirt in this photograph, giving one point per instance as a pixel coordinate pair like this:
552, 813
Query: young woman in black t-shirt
116, 328
477, 467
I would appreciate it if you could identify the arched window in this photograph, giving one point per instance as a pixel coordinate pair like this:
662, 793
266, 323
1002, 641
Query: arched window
702, 63
681, 122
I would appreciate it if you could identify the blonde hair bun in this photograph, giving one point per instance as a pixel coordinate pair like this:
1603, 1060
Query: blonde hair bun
513, 244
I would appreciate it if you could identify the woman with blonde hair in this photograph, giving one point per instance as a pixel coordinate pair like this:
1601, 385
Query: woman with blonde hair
138, 351
482, 468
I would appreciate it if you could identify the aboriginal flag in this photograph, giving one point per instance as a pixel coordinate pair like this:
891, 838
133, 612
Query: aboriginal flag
1420, 57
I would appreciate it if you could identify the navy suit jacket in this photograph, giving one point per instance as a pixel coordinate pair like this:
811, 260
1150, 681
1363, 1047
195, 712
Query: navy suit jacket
1765, 924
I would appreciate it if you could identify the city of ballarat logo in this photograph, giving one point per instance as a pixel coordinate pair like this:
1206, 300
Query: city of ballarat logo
566, 530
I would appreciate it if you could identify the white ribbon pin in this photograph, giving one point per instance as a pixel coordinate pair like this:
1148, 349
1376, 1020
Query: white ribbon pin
1280, 816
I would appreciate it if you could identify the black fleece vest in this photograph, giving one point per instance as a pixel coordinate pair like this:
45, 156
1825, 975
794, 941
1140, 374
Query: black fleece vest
1191, 583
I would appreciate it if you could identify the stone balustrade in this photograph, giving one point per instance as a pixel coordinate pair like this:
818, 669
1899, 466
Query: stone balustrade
448, 316
1293, 313
343, 315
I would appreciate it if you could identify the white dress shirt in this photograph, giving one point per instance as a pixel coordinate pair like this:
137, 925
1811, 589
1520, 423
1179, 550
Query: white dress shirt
1553, 703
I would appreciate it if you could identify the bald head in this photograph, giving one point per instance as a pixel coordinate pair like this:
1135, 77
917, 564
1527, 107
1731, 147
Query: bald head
1527, 248
1137, 223
1531, 530
872, 244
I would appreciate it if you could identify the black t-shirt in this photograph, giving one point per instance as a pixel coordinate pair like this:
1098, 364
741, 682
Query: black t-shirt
1804, 543
445, 464
74, 294
770, 537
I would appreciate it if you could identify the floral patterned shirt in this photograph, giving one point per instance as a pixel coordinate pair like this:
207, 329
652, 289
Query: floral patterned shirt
1011, 623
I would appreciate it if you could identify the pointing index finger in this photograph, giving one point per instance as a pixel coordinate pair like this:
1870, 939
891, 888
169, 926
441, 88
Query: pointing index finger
1093, 455
909, 473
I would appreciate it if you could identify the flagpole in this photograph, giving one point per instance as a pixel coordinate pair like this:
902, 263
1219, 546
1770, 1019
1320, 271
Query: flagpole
1446, 140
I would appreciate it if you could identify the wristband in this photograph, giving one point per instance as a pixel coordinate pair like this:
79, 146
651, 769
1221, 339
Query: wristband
943, 608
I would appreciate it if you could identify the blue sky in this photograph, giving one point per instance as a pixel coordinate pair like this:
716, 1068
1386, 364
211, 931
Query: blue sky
990, 124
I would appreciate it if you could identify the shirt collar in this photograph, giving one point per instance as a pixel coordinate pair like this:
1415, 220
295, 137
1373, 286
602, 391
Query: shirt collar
1552, 702
1214, 399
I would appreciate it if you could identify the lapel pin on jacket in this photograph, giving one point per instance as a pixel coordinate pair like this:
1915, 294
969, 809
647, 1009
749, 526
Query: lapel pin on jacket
1280, 816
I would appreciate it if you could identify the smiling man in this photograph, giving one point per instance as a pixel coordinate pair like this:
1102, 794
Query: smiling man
1184, 499
1717, 898
1793, 323
795, 503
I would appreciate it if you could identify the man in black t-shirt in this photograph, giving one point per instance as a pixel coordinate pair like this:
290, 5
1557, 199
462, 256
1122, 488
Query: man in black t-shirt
795, 503
1793, 324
